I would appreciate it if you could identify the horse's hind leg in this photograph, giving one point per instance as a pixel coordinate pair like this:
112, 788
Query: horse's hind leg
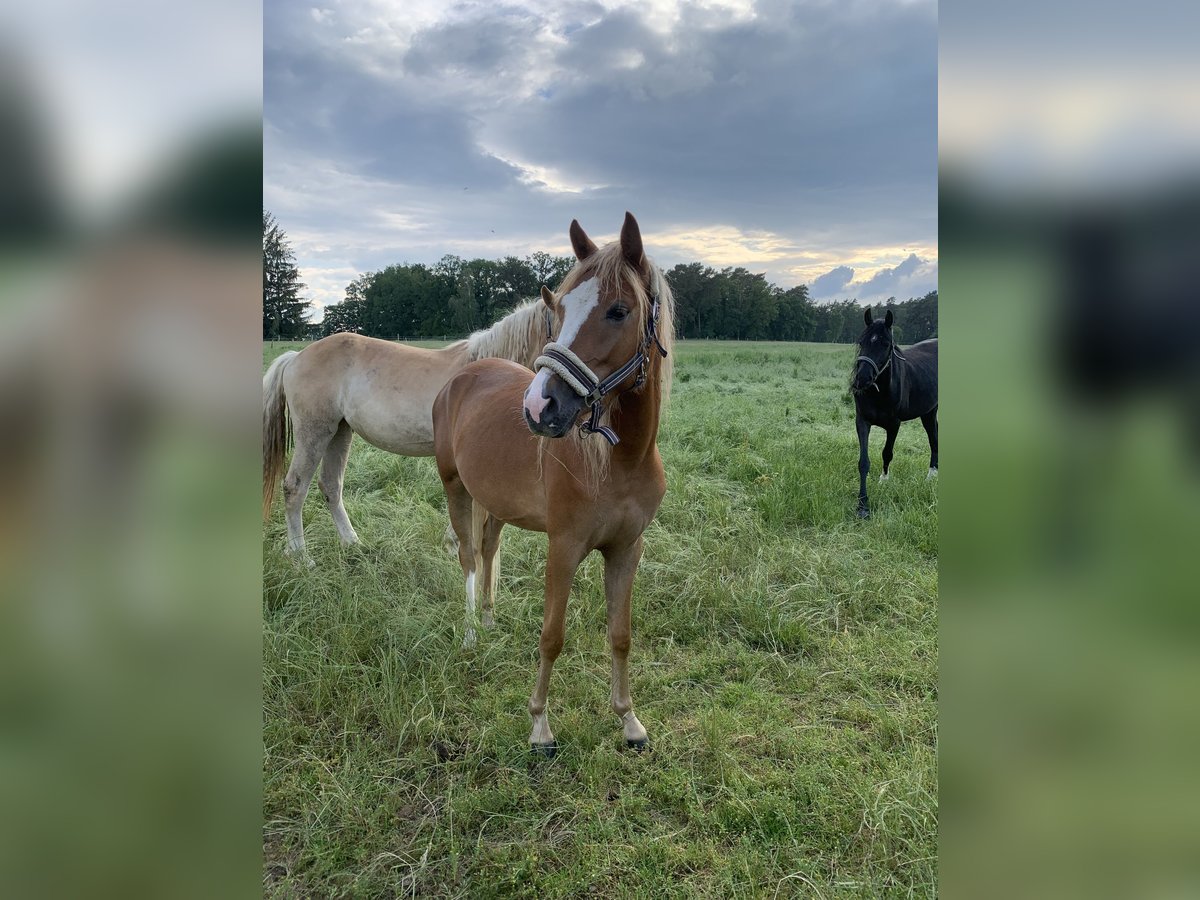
863, 427
888, 446
929, 420
619, 569
459, 505
333, 469
485, 533
310, 445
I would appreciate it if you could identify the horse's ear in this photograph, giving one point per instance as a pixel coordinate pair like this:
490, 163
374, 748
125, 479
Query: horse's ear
548, 297
631, 242
887, 320
581, 243
867, 315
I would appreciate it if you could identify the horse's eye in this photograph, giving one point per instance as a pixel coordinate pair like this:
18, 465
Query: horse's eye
617, 313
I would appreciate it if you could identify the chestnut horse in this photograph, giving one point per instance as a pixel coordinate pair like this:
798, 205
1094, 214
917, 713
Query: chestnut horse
508, 453
349, 384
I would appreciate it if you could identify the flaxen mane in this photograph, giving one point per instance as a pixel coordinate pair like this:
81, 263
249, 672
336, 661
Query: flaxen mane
519, 336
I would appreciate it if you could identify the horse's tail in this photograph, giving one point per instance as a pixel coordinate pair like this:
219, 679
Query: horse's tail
478, 520
479, 517
276, 428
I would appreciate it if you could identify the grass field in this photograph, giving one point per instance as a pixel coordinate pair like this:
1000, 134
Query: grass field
784, 663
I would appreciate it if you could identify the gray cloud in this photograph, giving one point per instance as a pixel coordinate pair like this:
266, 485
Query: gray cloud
832, 282
914, 277
482, 130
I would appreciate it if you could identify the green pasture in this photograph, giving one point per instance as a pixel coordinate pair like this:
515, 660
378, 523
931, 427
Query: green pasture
784, 663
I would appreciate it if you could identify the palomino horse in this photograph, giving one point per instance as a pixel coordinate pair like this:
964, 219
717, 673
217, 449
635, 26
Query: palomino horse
891, 387
348, 384
507, 451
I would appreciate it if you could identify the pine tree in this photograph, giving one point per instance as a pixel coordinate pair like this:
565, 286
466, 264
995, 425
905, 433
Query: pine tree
284, 311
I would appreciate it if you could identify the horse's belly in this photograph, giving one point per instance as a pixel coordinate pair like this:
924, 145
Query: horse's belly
396, 437
394, 422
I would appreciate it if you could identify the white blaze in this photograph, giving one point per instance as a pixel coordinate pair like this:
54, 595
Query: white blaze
577, 306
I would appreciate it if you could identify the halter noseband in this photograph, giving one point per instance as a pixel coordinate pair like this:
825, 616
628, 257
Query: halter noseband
561, 360
879, 370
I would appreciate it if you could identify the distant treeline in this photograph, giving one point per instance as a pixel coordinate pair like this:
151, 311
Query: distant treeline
456, 296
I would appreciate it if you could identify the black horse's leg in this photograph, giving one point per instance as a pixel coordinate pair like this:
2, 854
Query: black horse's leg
863, 427
888, 445
929, 420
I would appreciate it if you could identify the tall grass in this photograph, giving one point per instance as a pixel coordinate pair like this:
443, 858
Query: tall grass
784, 663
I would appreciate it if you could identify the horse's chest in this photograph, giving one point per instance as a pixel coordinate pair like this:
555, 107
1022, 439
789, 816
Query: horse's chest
876, 410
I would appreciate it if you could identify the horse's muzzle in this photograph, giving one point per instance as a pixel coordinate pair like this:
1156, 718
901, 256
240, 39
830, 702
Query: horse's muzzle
558, 415
546, 427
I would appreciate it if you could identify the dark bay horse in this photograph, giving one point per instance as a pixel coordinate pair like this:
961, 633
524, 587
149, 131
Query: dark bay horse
891, 386
509, 452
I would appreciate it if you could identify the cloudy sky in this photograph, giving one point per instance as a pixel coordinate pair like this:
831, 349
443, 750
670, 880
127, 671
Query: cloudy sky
796, 139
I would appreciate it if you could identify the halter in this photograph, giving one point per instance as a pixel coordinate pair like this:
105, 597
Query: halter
561, 360
879, 370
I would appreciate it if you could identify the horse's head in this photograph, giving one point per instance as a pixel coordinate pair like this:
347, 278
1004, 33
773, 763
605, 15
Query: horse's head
605, 315
875, 349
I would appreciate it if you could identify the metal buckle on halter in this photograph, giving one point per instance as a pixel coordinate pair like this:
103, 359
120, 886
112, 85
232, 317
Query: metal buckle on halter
592, 426
641, 379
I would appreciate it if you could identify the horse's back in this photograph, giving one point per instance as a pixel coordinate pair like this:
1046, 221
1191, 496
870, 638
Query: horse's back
383, 390
925, 348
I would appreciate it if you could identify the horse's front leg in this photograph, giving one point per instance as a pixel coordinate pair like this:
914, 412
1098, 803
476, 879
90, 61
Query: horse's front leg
863, 427
619, 568
562, 560
888, 448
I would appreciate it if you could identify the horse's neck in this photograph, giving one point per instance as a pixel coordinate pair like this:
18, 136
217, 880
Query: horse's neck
637, 422
897, 376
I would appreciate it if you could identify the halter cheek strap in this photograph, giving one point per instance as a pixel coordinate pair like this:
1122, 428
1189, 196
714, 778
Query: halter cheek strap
563, 361
878, 368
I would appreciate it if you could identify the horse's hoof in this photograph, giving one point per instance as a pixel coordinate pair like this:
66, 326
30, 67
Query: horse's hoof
640, 745
884, 476
546, 751
302, 559
931, 474
864, 512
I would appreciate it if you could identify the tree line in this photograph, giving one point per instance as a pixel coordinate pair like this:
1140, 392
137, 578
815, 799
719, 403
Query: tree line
456, 296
